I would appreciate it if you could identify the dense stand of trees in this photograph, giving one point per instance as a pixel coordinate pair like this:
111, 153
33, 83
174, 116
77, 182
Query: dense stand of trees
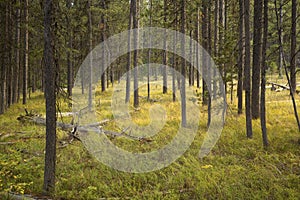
72, 28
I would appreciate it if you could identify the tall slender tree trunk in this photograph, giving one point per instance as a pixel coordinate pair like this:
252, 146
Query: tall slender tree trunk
216, 46
90, 29
4, 64
26, 49
128, 67
107, 77
224, 37
165, 76
11, 67
241, 57
191, 67
174, 62
205, 48
193, 60
256, 57
263, 76
293, 45
69, 52
280, 56
42, 81
50, 93
70, 66
197, 32
21, 45
221, 41
209, 67
136, 52
82, 72
104, 78
247, 70
149, 53
183, 69
112, 70
1, 57
190, 74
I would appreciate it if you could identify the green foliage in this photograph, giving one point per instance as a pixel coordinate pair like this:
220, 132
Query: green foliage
237, 168
12, 173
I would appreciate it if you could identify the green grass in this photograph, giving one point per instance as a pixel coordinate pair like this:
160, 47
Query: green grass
237, 168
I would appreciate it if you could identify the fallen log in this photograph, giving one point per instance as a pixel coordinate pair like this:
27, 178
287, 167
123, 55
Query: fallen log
7, 143
279, 85
78, 131
284, 87
19, 197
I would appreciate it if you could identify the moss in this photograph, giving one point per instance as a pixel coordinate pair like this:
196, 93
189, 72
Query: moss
237, 168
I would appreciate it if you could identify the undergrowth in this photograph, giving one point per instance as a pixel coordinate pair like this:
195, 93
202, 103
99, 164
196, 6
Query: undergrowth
237, 168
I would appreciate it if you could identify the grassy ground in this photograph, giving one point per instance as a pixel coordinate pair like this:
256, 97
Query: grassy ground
237, 168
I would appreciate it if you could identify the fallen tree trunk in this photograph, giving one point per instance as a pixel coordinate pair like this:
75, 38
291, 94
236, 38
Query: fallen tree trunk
279, 85
282, 86
7, 143
78, 131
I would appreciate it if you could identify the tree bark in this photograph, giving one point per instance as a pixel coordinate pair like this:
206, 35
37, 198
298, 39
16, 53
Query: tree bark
241, 58
90, 29
174, 62
216, 46
69, 52
280, 56
221, 42
149, 53
174, 59
3, 99
263, 77
183, 69
191, 67
197, 32
104, 78
11, 67
136, 52
293, 46
70, 67
165, 76
128, 67
256, 57
205, 48
247, 70
209, 67
50, 76
26, 49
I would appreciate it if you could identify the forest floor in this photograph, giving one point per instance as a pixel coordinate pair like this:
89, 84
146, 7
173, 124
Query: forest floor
237, 167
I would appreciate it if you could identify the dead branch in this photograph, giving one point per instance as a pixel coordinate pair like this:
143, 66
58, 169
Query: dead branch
281, 86
76, 132
7, 143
